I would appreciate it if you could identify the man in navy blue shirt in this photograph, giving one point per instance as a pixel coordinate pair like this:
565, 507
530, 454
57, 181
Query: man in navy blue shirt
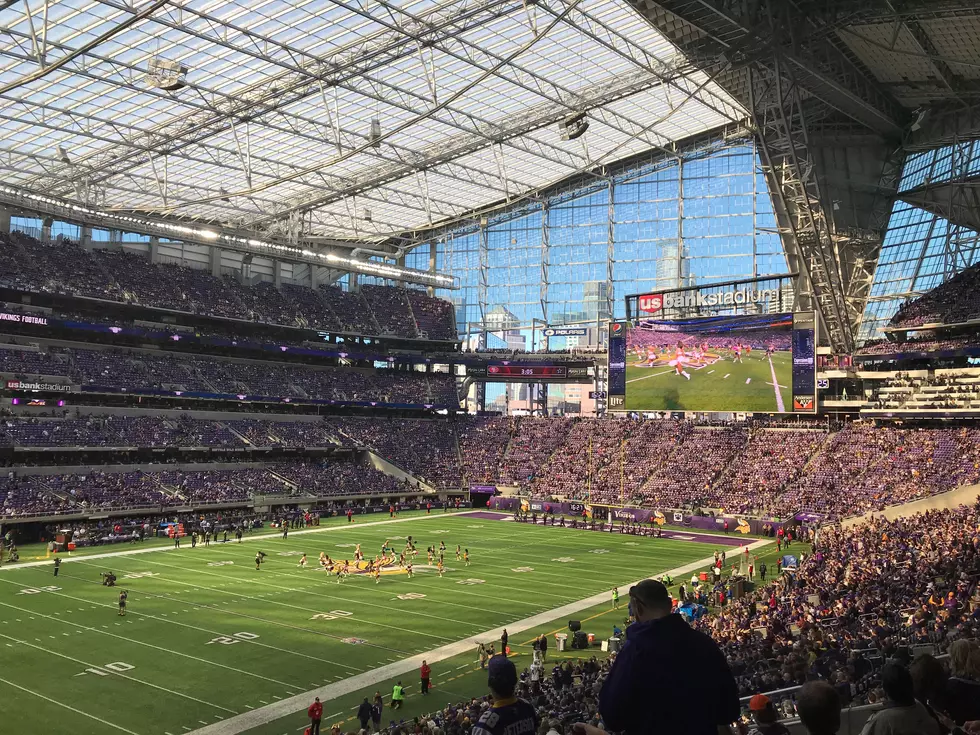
509, 714
668, 677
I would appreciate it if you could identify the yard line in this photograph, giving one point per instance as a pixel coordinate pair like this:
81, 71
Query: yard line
254, 537
780, 406
171, 650
300, 607
647, 377
265, 715
68, 707
709, 372
208, 630
119, 674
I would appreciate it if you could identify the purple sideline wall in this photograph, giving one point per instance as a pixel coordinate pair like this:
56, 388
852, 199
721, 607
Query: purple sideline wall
640, 515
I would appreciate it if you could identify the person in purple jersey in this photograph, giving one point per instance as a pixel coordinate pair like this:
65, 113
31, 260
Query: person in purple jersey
508, 714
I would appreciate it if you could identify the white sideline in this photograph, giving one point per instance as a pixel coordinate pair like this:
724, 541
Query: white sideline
264, 715
66, 558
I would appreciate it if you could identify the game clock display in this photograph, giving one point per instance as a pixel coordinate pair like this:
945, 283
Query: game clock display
527, 371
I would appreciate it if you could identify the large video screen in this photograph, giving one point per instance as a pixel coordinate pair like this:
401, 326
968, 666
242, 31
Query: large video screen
717, 363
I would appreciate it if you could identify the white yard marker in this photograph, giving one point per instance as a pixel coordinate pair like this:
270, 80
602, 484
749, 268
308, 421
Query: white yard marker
62, 704
780, 406
647, 377
726, 376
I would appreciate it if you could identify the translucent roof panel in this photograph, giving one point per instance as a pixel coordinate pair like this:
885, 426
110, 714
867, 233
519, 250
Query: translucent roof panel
360, 120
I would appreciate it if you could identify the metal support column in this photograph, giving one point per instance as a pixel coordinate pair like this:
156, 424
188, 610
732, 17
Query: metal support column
545, 262
610, 256
433, 259
484, 284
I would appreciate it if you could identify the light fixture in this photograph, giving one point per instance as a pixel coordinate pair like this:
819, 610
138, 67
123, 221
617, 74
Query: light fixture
166, 74
63, 154
573, 127
374, 137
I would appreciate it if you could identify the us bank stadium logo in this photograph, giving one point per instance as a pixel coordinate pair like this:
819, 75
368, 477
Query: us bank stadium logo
651, 303
654, 302
802, 403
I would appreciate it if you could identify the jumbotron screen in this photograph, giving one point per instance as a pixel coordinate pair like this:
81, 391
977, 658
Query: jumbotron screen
745, 362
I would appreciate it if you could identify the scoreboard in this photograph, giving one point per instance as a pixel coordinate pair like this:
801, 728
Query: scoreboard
527, 372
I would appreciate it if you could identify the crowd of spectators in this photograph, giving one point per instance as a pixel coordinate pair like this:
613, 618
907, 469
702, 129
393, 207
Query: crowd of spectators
737, 468
136, 370
65, 268
426, 449
163, 488
859, 597
929, 343
649, 337
949, 303
482, 444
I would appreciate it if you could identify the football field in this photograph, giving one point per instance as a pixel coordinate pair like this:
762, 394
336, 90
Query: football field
210, 642
719, 386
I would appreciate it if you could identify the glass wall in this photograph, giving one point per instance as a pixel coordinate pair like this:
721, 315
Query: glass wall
921, 249
574, 254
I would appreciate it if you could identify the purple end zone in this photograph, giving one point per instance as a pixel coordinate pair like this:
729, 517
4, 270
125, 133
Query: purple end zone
697, 537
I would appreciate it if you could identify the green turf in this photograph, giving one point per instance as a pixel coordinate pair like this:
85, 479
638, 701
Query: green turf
661, 389
182, 677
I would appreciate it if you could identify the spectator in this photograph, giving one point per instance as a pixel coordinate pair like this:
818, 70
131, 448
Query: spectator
818, 705
424, 673
962, 696
508, 714
765, 717
659, 678
902, 714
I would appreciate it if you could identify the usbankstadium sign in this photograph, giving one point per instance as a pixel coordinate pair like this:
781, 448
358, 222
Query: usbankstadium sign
651, 303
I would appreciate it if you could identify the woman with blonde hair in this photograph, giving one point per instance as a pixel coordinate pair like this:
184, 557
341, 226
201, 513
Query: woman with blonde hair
963, 687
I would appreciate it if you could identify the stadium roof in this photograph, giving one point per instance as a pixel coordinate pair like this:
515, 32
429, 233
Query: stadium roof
349, 119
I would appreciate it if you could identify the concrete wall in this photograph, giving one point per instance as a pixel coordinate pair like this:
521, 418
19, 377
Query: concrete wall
965, 495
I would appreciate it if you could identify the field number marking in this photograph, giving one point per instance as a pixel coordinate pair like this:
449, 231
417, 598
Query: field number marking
232, 639
37, 590
106, 669
411, 596
470, 581
332, 615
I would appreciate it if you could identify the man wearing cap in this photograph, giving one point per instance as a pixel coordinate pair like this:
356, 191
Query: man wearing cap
765, 717
660, 676
508, 714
